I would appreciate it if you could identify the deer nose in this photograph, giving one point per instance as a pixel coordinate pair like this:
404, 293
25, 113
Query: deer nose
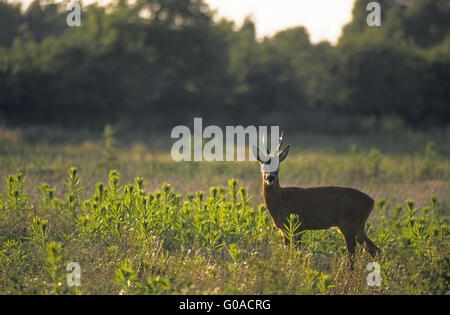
270, 178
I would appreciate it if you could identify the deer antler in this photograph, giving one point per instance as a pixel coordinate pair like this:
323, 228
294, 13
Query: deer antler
280, 143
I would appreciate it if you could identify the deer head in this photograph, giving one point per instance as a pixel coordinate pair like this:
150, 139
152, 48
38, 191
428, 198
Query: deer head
270, 163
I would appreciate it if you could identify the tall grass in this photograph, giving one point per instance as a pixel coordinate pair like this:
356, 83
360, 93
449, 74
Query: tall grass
132, 235
131, 241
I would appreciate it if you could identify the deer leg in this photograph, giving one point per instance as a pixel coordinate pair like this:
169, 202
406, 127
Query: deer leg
361, 238
351, 243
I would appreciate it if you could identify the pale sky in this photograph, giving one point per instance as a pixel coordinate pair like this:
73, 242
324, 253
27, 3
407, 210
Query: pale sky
323, 18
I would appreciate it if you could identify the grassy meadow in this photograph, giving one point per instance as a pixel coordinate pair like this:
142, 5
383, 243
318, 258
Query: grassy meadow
137, 222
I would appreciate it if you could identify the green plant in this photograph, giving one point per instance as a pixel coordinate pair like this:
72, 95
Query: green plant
74, 189
40, 231
54, 266
207, 243
157, 285
47, 193
292, 232
235, 253
17, 200
126, 278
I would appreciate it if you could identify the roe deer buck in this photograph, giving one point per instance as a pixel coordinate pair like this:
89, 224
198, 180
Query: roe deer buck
318, 207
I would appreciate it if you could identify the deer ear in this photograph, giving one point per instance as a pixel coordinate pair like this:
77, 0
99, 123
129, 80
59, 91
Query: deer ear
283, 154
258, 155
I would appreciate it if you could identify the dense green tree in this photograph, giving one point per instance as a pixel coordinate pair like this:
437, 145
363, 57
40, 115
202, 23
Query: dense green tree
10, 20
379, 77
157, 63
422, 22
44, 20
384, 70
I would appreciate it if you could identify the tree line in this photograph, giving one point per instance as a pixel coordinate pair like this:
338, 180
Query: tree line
157, 63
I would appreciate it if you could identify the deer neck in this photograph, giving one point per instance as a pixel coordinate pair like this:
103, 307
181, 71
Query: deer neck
272, 197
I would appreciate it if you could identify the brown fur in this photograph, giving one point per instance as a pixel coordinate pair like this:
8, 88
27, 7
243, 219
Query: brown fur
320, 208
